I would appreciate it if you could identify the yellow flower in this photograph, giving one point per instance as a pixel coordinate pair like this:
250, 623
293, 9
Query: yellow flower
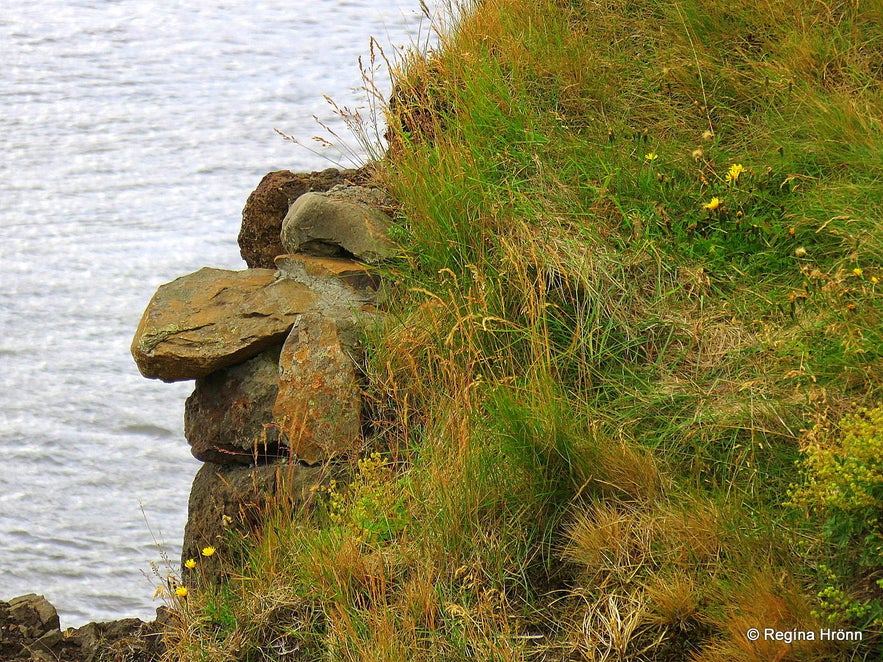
857, 271
181, 591
735, 170
208, 551
874, 280
713, 204
190, 563
651, 156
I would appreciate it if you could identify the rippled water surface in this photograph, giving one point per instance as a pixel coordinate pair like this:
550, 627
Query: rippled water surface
131, 134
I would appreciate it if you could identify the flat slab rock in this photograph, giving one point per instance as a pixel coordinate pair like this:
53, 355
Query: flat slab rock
311, 270
215, 318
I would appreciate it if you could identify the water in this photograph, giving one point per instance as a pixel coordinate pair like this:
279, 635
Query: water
131, 134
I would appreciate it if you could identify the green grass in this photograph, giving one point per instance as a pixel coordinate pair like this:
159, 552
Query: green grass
593, 392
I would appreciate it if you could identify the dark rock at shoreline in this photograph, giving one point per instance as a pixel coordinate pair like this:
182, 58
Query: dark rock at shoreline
215, 318
237, 498
30, 630
268, 204
228, 419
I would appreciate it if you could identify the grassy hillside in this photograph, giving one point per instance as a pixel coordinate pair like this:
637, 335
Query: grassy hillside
626, 405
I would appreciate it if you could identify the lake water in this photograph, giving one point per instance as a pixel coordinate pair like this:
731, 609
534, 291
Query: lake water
131, 134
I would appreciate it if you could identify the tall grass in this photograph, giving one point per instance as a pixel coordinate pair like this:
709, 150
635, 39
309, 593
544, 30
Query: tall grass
641, 262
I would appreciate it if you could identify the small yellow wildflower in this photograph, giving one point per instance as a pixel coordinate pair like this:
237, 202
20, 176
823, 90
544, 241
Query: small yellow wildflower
181, 591
190, 563
698, 153
208, 551
875, 280
857, 271
735, 170
712, 205
792, 232
707, 135
651, 156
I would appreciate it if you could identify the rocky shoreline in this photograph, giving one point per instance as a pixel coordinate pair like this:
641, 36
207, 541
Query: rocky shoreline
30, 630
276, 411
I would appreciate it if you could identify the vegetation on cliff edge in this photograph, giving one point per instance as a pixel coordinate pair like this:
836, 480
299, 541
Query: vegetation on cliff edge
626, 405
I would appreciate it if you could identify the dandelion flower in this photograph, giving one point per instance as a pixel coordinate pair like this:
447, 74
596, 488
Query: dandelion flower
712, 205
857, 271
735, 170
874, 280
181, 591
651, 156
208, 551
190, 563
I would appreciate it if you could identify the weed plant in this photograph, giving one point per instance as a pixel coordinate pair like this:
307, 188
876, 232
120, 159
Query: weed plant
636, 311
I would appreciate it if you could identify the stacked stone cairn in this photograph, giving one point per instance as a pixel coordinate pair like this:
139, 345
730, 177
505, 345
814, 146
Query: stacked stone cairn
274, 350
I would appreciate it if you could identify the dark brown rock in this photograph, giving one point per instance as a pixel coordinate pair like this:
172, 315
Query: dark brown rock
126, 640
35, 613
318, 408
224, 496
228, 419
215, 318
29, 630
268, 204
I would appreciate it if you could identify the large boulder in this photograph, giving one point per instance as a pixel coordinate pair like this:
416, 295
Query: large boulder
228, 419
347, 221
215, 318
318, 408
237, 498
268, 204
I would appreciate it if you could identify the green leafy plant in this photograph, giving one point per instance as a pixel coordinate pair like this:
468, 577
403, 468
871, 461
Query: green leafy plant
843, 486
